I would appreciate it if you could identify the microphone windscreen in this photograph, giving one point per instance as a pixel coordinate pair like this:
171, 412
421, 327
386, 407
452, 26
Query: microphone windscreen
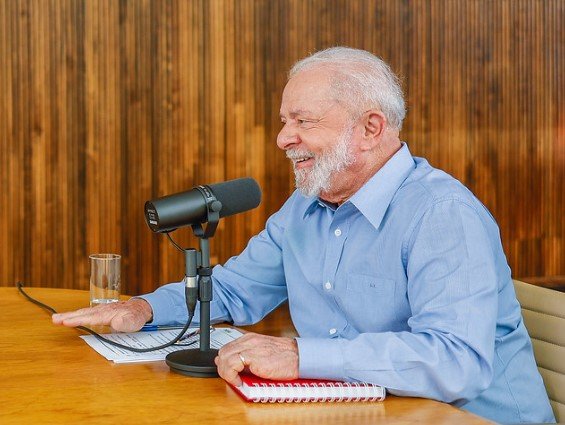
237, 195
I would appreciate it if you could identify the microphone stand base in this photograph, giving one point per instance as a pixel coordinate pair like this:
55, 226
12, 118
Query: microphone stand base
193, 362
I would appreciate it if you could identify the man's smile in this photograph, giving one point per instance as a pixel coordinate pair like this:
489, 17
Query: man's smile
301, 160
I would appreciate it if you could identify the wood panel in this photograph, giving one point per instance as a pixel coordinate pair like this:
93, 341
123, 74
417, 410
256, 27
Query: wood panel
106, 104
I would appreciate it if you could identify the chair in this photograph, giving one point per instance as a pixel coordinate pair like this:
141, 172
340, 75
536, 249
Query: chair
544, 316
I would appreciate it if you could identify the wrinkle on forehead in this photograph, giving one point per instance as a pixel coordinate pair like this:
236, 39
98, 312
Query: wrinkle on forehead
308, 91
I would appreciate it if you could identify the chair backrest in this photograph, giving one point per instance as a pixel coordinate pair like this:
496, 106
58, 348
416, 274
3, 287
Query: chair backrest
544, 316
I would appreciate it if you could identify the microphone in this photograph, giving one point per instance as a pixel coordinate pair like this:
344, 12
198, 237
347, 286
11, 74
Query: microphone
192, 206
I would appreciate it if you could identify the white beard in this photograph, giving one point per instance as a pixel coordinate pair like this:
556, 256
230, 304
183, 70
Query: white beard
318, 179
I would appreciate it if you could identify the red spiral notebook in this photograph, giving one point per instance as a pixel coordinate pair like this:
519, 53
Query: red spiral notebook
261, 390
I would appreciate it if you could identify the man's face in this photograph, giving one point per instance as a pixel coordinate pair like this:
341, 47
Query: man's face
317, 133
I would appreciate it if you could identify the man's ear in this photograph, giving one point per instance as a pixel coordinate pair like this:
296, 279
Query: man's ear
374, 126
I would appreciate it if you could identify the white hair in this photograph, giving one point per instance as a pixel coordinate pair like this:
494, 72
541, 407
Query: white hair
361, 80
328, 163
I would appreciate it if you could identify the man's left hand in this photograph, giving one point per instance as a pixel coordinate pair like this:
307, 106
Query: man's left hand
265, 356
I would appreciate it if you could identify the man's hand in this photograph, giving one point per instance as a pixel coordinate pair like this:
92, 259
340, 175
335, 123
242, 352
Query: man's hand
123, 316
265, 356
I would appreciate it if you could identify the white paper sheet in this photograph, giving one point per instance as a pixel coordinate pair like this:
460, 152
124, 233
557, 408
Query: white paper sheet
218, 338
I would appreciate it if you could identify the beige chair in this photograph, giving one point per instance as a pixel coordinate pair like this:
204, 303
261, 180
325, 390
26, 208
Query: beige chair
544, 315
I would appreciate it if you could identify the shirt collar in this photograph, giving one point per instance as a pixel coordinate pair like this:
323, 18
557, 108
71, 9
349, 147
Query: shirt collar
318, 203
374, 197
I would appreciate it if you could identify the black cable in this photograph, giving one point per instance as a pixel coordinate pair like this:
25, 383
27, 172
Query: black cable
20, 286
176, 245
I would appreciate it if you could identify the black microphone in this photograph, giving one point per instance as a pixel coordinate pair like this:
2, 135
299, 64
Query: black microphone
192, 206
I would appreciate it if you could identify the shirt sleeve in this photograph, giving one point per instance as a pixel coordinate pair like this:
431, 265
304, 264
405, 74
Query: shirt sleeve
245, 289
452, 290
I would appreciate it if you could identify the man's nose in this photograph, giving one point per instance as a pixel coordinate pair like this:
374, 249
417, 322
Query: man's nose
287, 138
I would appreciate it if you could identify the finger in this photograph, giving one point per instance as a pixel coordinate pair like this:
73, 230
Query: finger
243, 343
229, 369
85, 320
92, 317
59, 317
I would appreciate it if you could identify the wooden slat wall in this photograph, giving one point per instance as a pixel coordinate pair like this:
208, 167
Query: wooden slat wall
106, 104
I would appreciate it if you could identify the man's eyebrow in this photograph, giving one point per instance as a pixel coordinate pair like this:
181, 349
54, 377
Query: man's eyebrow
293, 114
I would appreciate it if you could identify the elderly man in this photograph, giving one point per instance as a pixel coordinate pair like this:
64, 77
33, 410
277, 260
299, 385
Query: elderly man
392, 269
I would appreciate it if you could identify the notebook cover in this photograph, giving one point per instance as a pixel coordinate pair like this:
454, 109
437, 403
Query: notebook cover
252, 380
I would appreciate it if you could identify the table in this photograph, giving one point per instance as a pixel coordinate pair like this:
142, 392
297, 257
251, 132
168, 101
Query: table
49, 375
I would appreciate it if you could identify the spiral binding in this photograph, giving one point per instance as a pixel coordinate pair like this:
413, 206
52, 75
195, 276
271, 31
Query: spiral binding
298, 393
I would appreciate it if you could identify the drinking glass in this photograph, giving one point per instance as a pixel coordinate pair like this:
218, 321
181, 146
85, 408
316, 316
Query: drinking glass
104, 278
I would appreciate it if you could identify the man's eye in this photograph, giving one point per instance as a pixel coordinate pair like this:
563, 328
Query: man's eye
299, 121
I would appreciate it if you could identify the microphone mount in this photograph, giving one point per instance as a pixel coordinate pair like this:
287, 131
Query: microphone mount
213, 208
199, 362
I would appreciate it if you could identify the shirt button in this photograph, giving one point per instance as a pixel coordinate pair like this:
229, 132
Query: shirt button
328, 285
337, 232
333, 331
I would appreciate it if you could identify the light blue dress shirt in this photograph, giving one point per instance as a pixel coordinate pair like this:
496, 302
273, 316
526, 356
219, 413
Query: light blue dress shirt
404, 285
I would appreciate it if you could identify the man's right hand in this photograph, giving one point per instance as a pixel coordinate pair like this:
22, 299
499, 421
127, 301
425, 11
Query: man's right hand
123, 316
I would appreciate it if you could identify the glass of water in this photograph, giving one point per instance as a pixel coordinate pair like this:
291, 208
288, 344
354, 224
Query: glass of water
104, 278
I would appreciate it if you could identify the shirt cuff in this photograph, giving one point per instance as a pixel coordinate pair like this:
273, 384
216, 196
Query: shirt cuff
314, 365
163, 309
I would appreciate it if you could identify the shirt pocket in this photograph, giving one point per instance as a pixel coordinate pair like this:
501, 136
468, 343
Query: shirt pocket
371, 299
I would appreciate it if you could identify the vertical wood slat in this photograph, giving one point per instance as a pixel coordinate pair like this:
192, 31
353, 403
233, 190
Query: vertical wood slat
15, 129
104, 160
105, 105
